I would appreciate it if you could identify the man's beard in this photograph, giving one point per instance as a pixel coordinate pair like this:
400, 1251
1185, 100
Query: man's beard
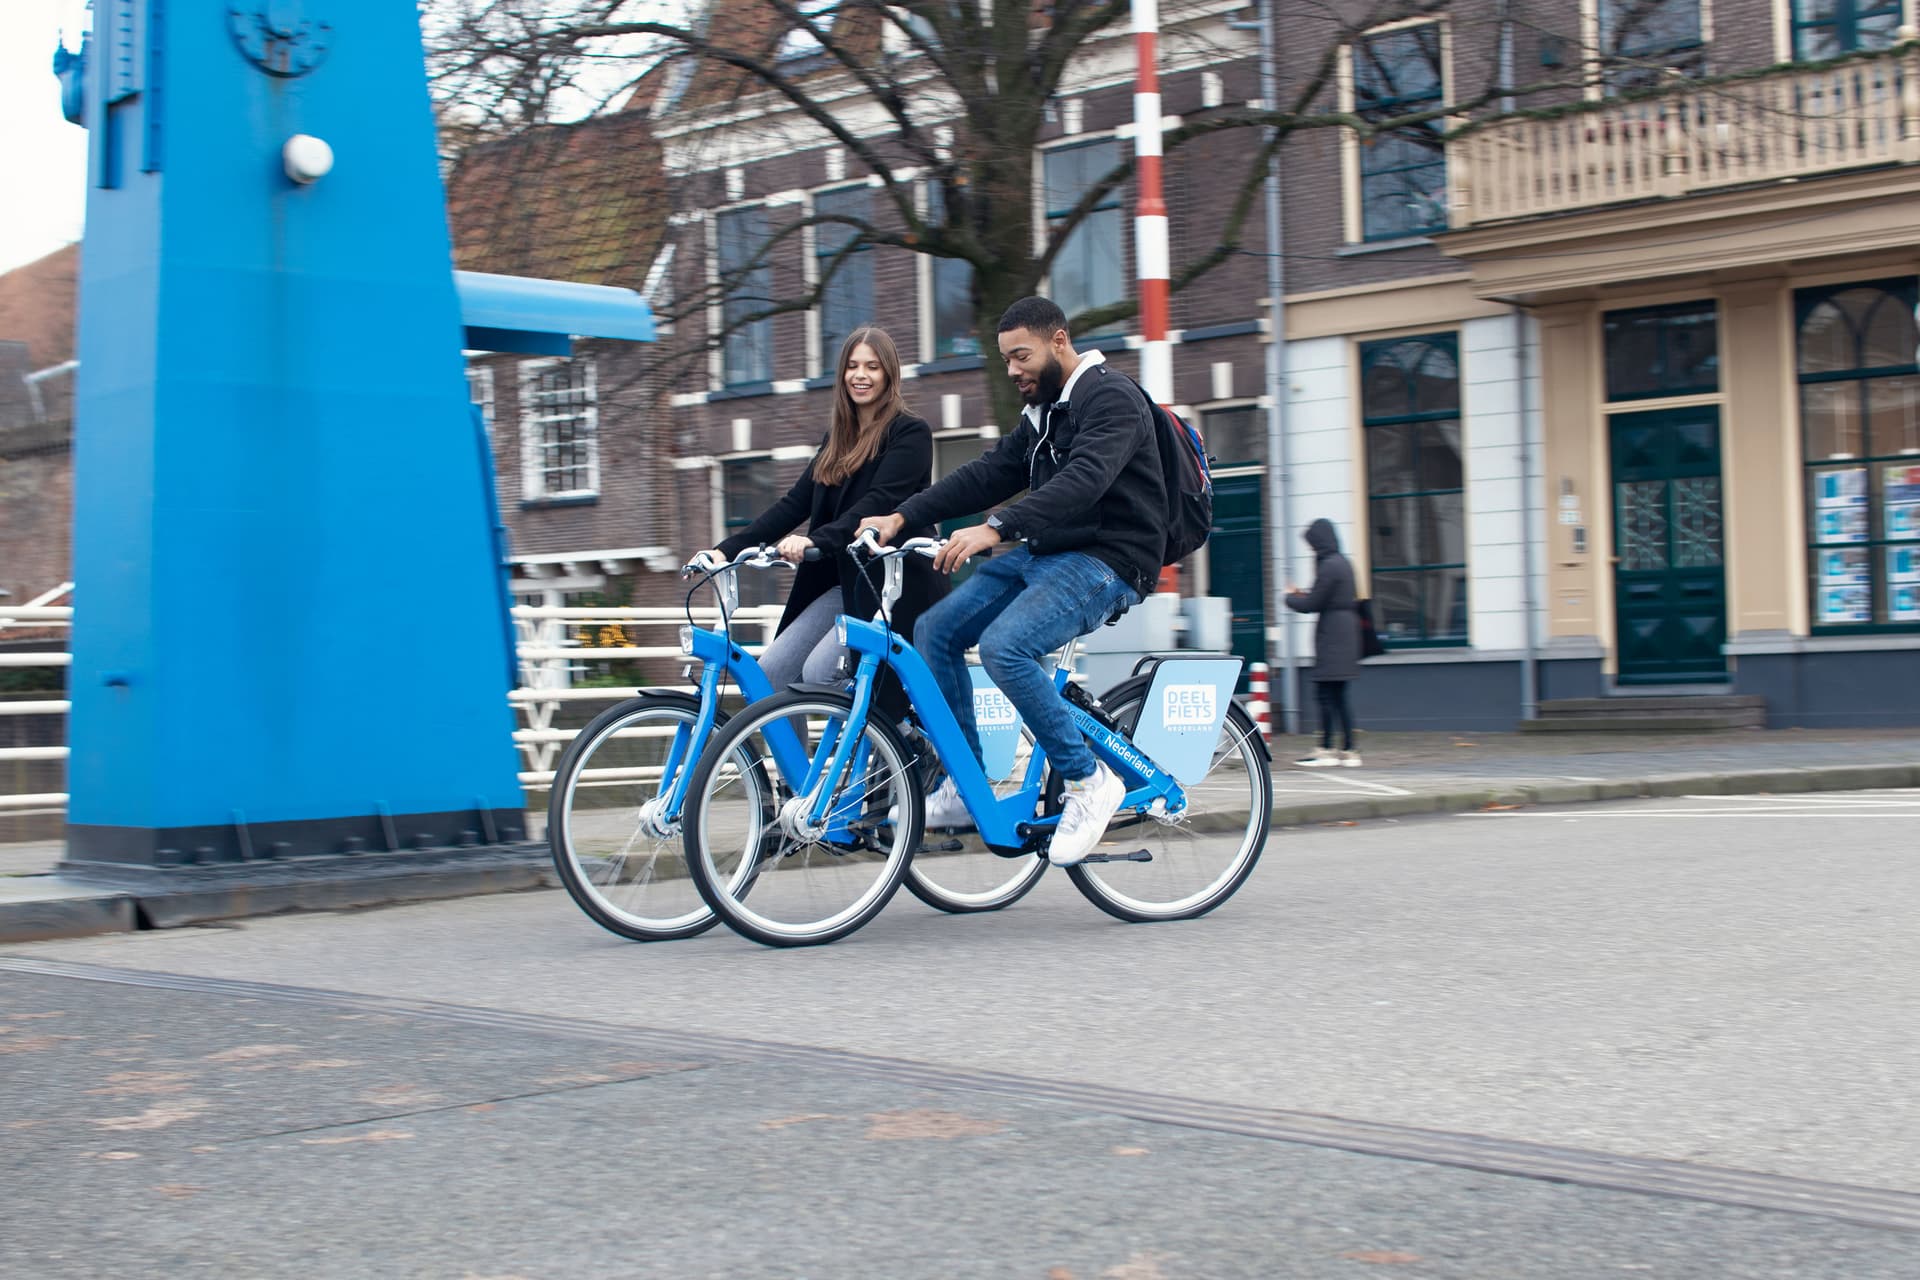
1047, 384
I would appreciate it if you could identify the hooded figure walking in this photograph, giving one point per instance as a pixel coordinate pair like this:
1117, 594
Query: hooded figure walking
1336, 643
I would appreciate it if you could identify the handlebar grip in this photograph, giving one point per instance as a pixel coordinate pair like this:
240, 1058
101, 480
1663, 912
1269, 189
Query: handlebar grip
812, 553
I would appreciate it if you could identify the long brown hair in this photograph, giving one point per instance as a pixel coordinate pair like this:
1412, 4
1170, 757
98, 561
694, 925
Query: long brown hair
850, 446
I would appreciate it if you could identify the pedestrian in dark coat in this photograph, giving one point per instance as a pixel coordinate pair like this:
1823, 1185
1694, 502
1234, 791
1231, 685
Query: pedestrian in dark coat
1336, 643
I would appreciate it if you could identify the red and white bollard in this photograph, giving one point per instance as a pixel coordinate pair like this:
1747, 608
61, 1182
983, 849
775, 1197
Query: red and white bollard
1257, 703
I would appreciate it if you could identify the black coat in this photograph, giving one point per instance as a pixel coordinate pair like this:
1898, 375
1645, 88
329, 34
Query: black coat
901, 467
1092, 476
1336, 633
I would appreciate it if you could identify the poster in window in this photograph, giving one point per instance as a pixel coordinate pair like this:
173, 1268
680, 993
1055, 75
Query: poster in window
1846, 524
1841, 567
1900, 491
1840, 505
1847, 488
1903, 584
1845, 604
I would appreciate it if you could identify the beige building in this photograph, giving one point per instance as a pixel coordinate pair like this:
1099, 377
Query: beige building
1724, 283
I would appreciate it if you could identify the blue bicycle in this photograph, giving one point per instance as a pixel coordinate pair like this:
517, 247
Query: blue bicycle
614, 814
800, 857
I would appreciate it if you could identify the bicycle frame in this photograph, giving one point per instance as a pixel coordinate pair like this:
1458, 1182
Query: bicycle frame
720, 659
1007, 824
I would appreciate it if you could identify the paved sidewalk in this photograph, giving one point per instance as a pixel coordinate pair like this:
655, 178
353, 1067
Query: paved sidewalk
1410, 773
1405, 774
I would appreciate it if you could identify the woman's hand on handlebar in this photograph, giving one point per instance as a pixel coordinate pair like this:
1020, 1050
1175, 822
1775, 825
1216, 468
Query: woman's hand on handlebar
703, 562
793, 548
887, 527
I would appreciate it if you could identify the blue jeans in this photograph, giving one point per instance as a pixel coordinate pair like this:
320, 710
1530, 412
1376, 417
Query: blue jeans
1019, 608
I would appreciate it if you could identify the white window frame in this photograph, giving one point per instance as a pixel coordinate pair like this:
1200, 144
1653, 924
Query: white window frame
816, 365
1353, 219
923, 282
1076, 142
533, 471
717, 308
1593, 57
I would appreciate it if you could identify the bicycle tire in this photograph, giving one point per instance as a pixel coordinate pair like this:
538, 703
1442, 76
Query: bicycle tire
572, 837
768, 880
974, 879
1182, 882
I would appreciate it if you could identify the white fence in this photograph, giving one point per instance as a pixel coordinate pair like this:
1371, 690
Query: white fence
551, 659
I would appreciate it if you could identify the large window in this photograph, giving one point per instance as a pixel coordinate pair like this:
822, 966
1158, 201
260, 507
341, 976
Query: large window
1829, 28
1860, 409
559, 429
1403, 171
1088, 271
746, 492
1662, 351
1236, 437
1641, 41
1416, 504
846, 301
746, 348
956, 328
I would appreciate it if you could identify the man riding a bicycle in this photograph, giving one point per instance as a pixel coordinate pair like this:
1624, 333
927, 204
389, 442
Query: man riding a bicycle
1093, 528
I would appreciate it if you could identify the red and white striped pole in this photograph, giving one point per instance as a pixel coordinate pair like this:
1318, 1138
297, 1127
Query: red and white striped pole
1258, 705
1152, 258
1150, 211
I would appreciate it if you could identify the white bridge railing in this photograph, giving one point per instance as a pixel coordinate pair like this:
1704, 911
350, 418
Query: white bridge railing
550, 660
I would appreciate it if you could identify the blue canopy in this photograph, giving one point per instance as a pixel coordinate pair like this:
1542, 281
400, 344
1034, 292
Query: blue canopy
542, 317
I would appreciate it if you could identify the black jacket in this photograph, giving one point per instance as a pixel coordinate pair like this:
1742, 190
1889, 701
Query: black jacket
1092, 476
1336, 633
900, 468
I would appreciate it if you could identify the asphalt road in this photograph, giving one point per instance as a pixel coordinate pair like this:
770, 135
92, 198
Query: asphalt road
1670, 1038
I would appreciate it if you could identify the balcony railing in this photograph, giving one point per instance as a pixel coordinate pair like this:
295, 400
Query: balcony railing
1787, 124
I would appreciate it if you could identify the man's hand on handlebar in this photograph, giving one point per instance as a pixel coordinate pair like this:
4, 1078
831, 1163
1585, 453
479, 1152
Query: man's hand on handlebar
964, 545
793, 548
887, 527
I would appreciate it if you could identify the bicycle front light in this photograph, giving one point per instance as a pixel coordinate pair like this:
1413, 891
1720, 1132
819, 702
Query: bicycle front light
686, 640
840, 631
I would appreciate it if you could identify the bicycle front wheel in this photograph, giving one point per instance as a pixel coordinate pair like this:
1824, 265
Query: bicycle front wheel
955, 871
755, 853
617, 855
1200, 858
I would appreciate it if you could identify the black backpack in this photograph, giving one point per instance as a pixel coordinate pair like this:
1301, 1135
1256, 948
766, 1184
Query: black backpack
1189, 478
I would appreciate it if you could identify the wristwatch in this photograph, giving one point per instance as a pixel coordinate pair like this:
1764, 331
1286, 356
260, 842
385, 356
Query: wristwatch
996, 524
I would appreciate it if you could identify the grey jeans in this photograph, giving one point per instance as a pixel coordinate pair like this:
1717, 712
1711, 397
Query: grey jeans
807, 649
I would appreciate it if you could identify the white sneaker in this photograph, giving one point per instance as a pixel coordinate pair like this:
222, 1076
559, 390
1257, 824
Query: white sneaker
1091, 804
1351, 759
946, 810
1320, 759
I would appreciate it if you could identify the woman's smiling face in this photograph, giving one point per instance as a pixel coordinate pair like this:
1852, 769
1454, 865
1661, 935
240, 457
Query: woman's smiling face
864, 376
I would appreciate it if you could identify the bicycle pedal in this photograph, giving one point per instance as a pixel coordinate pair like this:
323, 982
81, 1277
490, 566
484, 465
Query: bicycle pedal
945, 846
1138, 855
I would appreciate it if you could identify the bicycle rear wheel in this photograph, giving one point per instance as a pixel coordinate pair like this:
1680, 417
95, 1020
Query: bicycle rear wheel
622, 865
1200, 858
955, 871
754, 856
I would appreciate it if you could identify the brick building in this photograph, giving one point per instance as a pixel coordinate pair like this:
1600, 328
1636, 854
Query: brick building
1609, 388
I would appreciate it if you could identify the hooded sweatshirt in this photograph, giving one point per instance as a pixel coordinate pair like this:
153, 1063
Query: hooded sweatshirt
1336, 633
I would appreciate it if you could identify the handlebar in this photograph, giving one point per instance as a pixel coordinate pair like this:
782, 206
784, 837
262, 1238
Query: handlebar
868, 543
761, 557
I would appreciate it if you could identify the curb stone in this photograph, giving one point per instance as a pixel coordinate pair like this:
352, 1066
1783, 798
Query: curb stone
1851, 777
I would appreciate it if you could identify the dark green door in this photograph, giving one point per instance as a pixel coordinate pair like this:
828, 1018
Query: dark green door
1669, 576
1237, 562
